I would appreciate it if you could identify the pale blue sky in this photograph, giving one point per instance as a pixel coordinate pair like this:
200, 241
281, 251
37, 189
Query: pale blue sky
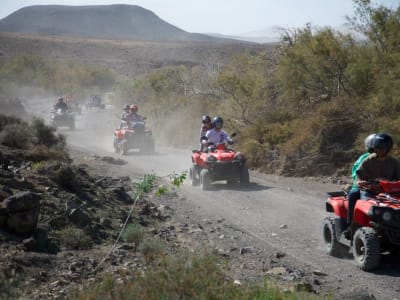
227, 16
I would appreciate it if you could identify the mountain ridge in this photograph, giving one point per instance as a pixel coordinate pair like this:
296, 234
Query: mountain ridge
115, 21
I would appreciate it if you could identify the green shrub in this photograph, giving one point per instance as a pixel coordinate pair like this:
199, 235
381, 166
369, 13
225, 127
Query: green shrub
134, 233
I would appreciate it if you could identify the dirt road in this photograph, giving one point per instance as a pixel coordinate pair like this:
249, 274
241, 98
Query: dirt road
283, 213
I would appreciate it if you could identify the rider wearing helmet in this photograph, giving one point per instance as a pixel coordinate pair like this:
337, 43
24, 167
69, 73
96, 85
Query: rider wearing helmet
378, 165
124, 114
216, 134
60, 104
132, 117
354, 193
205, 126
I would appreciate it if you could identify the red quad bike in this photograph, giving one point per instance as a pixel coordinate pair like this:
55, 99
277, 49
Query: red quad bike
218, 162
375, 229
133, 136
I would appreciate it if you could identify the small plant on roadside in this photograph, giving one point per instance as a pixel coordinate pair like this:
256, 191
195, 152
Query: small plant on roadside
134, 233
162, 190
177, 179
72, 238
145, 185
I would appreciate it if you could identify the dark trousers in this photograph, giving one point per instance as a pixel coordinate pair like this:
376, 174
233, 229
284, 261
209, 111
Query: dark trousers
352, 198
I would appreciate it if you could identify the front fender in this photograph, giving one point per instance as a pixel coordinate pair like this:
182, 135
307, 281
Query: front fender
361, 212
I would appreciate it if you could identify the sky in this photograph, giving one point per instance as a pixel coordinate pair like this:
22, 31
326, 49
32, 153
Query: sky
228, 16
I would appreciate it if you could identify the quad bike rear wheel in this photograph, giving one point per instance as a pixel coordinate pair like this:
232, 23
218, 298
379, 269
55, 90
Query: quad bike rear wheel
244, 177
205, 179
194, 175
366, 248
332, 246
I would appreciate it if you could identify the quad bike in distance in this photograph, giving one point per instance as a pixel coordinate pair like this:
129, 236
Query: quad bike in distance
133, 135
95, 101
62, 118
375, 228
216, 163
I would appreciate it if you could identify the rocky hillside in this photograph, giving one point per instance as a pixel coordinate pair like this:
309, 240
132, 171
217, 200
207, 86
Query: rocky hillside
121, 22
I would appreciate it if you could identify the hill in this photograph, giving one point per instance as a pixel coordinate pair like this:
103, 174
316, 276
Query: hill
120, 22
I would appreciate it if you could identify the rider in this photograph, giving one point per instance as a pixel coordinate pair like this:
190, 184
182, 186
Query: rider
354, 193
378, 165
216, 134
125, 112
132, 117
60, 104
205, 126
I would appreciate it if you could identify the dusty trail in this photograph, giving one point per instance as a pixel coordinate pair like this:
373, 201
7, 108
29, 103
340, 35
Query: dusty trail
285, 213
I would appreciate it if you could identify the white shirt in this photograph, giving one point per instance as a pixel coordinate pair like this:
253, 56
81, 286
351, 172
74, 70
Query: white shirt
217, 136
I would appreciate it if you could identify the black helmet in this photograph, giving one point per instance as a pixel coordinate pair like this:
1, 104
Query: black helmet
60, 99
368, 142
205, 119
382, 141
219, 121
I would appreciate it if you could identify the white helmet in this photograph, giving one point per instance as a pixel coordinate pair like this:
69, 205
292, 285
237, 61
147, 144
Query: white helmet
369, 142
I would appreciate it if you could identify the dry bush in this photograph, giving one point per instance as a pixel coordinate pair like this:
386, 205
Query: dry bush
151, 248
72, 238
134, 233
46, 135
39, 153
17, 135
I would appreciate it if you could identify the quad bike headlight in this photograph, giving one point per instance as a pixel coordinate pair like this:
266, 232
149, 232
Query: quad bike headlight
387, 216
211, 158
239, 156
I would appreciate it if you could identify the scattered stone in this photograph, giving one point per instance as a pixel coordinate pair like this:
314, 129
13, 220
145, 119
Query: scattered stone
277, 271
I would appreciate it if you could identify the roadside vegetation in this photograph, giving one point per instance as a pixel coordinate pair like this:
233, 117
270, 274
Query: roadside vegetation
302, 109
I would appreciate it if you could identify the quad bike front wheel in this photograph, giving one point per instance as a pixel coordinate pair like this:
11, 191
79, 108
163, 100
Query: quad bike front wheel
205, 179
194, 175
332, 246
123, 146
366, 248
116, 145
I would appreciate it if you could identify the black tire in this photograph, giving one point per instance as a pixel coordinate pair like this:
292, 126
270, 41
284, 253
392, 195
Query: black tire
244, 177
366, 248
150, 147
116, 145
332, 245
205, 179
124, 148
194, 175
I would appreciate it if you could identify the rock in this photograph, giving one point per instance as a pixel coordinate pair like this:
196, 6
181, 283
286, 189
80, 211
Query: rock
21, 201
79, 217
245, 250
115, 161
21, 212
277, 271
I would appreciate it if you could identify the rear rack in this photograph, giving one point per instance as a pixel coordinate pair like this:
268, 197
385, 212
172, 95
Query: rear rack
337, 194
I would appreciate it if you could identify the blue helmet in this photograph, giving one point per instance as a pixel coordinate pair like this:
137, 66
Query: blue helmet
382, 141
217, 122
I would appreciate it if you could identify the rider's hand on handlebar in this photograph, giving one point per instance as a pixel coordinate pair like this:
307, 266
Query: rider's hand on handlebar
369, 185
